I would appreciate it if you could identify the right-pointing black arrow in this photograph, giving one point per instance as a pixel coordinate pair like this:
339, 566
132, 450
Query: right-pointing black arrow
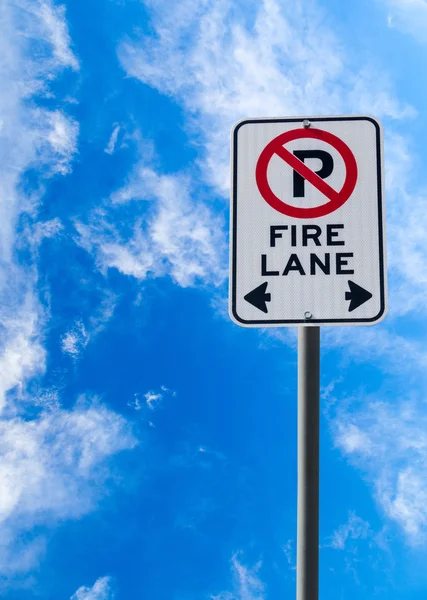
357, 296
259, 297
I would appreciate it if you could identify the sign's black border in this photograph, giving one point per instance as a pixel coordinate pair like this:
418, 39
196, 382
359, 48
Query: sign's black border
261, 323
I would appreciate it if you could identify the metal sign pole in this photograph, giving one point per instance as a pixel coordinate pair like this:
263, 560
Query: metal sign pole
308, 463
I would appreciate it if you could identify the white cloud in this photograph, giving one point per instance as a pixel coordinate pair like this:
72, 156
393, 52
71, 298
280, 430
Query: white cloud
54, 464
387, 441
52, 468
391, 353
57, 140
355, 528
287, 62
112, 141
135, 403
46, 229
60, 477
152, 399
246, 583
75, 340
181, 238
31, 137
289, 553
101, 590
53, 18
369, 344
360, 552
21, 352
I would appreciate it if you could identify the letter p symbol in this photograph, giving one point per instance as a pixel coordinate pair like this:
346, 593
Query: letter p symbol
325, 170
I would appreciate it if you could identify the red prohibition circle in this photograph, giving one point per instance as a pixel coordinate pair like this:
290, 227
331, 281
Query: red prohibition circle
336, 199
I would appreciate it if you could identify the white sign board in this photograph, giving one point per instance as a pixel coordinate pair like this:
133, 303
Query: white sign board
307, 222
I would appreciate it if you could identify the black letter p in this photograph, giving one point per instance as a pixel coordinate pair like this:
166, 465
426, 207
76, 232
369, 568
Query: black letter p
325, 171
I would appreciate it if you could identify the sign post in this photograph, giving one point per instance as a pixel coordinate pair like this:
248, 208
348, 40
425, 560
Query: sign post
307, 249
308, 463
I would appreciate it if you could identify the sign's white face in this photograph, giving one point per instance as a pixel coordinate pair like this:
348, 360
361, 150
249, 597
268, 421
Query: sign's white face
307, 222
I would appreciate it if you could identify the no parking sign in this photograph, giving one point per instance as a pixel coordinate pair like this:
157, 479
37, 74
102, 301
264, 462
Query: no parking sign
307, 222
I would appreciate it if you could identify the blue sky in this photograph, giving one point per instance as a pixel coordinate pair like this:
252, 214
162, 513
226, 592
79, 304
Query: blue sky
148, 444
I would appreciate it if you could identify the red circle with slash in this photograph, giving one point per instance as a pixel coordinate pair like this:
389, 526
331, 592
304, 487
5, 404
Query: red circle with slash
336, 199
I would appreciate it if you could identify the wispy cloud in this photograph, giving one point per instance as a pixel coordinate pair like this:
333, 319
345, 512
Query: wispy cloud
75, 340
179, 237
57, 140
31, 137
53, 468
378, 345
101, 590
45, 230
54, 462
387, 441
246, 582
53, 29
113, 140
151, 399
355, 548
289, 552
22, 354
355, 528
279, 65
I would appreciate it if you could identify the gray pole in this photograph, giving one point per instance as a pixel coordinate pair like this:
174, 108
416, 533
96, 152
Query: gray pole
308, 463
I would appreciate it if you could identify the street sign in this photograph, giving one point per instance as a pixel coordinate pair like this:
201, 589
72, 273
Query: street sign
307, 222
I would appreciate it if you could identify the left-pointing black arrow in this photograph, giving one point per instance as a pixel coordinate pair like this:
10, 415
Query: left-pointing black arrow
259, 297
